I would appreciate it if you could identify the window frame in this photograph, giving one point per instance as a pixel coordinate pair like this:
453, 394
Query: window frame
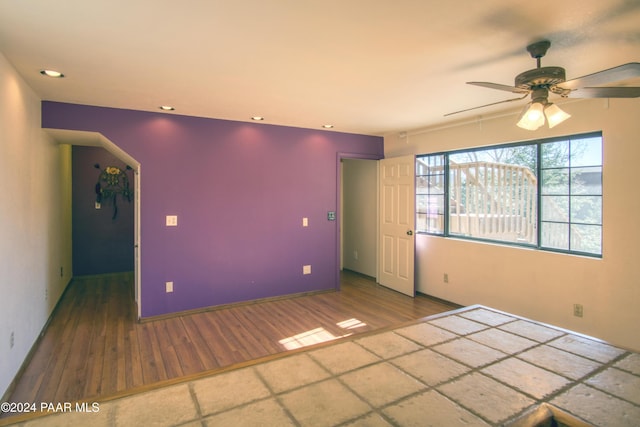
539, 194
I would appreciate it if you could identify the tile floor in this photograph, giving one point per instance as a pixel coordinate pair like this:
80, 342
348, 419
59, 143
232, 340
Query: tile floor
470, 367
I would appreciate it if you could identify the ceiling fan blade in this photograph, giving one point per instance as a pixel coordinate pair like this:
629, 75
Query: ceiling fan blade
615, 74
499, 87
488, 105
606, 92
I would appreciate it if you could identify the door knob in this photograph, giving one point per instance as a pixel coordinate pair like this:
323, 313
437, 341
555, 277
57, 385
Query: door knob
409, 233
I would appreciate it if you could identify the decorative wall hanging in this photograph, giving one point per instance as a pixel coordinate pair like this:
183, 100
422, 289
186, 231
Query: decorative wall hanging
112, 182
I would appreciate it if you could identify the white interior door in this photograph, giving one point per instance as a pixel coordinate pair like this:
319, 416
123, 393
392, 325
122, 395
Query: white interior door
397, 218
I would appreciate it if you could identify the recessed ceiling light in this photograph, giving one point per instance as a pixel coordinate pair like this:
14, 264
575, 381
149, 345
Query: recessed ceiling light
327, 126
257, 118
52, 73
167, 108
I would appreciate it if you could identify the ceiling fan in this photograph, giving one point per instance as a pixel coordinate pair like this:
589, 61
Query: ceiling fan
542, 80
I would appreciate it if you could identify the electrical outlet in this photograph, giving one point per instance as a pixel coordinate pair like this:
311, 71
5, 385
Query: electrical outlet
46, 294
355, 255
446, 278
172, 220
169, 287
578, 310
305, 222
306, 269
12, 338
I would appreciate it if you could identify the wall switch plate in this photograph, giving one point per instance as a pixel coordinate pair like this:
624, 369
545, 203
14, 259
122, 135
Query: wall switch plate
306, 269
98, 205
331, 216
169, 287
172, 220
305, 222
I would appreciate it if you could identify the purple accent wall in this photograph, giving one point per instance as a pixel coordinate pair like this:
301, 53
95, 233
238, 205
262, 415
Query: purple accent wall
100, 244
240, 191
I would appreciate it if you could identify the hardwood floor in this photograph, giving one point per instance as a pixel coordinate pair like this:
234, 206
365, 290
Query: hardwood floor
94, 347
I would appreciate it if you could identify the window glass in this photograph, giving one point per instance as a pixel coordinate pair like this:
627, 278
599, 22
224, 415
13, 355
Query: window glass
571, 190
492, 194
430, 194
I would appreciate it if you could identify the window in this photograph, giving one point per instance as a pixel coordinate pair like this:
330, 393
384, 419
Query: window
545, 194
571, 195
430, 191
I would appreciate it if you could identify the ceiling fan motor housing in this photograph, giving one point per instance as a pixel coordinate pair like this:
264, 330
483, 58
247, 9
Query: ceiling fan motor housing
540, 77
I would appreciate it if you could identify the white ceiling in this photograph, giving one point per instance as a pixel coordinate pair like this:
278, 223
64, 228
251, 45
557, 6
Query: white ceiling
365, 66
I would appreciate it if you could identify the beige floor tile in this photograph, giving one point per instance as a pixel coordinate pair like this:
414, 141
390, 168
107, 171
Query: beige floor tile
588, 348
630, 363
532, 330
102, 418
431, 409
488, 317
370, 420
324, 404
344, 357
388, 345
426, 334
458, 325
503, 341
486, 397
597, 407
469, 352
381, 384
560, 362
197, 423
526, 377
291, 372
618, 383
228, 390
164, 407
265, 413
430, 367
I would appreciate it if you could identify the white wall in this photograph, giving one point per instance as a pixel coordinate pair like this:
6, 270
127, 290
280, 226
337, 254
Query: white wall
359, 221
35, 221
537, 284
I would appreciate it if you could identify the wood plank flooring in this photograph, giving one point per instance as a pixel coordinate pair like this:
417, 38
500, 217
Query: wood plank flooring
94, 347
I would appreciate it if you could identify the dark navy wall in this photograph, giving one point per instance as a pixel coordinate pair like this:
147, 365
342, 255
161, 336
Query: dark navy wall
101, 244
240, 191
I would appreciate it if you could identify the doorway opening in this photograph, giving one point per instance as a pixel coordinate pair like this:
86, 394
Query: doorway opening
91, 145
358, 214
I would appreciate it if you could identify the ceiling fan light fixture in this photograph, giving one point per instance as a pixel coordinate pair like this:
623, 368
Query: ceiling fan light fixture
532, 116
555, 115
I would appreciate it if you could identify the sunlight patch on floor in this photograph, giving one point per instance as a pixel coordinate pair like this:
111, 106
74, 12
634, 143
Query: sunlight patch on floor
319, 335
351, 324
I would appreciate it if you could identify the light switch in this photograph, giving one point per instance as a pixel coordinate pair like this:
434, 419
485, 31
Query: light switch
172, 220
305, 222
